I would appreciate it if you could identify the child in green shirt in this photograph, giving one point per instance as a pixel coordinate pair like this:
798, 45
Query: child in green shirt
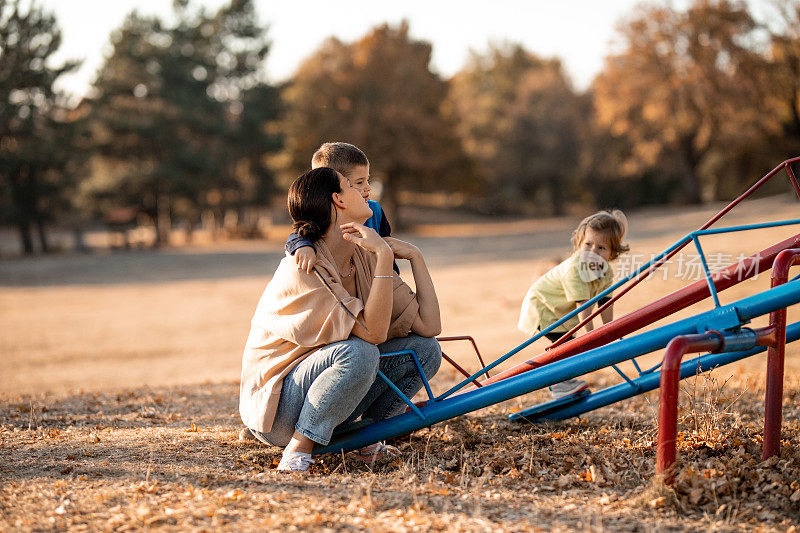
584, 275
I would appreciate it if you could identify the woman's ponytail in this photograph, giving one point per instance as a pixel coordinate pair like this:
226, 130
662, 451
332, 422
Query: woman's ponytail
308, 230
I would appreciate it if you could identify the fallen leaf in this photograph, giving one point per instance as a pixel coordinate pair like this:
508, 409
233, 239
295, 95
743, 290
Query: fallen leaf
657, 503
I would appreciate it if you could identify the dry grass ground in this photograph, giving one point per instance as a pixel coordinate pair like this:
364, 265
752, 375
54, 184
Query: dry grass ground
119, 391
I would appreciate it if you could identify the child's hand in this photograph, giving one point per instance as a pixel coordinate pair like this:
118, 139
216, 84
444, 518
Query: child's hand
402, 249
305, 258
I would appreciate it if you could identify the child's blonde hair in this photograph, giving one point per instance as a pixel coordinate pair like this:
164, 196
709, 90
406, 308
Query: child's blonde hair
614, 224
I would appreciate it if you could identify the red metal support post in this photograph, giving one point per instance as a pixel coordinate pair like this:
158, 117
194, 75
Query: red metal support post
474, 345
773, 398
668, 395
460, 370
792, 177
711, 341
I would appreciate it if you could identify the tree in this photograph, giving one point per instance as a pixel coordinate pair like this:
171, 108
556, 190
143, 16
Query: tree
379, 94
685, 88
169, 115
542, 145
784, 74
33, 134
520, 121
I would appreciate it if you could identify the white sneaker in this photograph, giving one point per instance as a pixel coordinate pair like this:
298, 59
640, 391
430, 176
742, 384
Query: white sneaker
567, 388
295, 462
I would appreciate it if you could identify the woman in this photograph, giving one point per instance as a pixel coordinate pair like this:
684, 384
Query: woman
313, 351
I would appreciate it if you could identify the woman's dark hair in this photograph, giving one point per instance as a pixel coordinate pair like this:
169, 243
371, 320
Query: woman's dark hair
310, 200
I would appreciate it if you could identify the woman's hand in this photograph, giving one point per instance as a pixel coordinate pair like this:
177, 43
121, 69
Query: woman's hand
402, 249
367, 238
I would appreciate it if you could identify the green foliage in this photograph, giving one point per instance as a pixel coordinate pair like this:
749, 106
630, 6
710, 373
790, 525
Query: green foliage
178, 109
34, 138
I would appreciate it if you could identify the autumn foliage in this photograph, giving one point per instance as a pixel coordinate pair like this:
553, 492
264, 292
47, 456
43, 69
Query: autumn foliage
183, 125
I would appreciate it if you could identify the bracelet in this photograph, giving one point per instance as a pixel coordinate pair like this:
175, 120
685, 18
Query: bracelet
383, 276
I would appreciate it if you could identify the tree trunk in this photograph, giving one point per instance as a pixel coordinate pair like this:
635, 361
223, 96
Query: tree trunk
691, 185
794, 105
556, 195
24, 229
188, 231
23, 198
80, 242
691, 181
42, 233
163, 220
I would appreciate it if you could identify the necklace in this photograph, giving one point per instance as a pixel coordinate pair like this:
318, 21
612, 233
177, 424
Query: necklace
352, 269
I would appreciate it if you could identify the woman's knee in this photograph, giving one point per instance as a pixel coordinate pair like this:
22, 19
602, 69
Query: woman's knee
429, 352
358, 355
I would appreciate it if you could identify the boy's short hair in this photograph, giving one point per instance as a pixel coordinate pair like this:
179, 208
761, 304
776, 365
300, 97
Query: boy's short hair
614, 224
340, 156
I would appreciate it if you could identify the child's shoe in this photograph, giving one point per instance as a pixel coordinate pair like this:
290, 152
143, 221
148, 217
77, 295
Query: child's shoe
295, 462
567, 388
376, 453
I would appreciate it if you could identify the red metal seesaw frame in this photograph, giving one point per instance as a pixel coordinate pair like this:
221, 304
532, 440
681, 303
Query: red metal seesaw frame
773, 399
787, 165
456, 365
773, 336
661, 308
654, 311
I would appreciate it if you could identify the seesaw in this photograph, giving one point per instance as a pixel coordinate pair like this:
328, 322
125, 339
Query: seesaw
721, 330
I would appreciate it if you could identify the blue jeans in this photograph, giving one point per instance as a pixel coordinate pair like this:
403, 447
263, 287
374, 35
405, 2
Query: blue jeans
338, 383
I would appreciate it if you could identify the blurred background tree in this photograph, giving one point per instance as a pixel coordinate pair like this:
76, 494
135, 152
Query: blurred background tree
519, 119
541, 140
379, 94
693, 103
180, 115
784, 73
34, 134
686, 88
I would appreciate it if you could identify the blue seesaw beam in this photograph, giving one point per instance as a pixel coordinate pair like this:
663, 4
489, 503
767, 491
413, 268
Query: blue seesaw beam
646, 382
689, 237
722, 318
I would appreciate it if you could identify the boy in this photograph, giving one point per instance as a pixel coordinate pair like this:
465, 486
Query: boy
353, 164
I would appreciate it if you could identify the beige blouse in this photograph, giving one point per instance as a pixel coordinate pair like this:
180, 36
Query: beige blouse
297, 315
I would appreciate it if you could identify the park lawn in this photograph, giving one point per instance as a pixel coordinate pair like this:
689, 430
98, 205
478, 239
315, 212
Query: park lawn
169, 458
118, 407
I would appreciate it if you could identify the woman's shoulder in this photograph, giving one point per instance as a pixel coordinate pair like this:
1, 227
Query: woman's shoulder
289, 277
286, 276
